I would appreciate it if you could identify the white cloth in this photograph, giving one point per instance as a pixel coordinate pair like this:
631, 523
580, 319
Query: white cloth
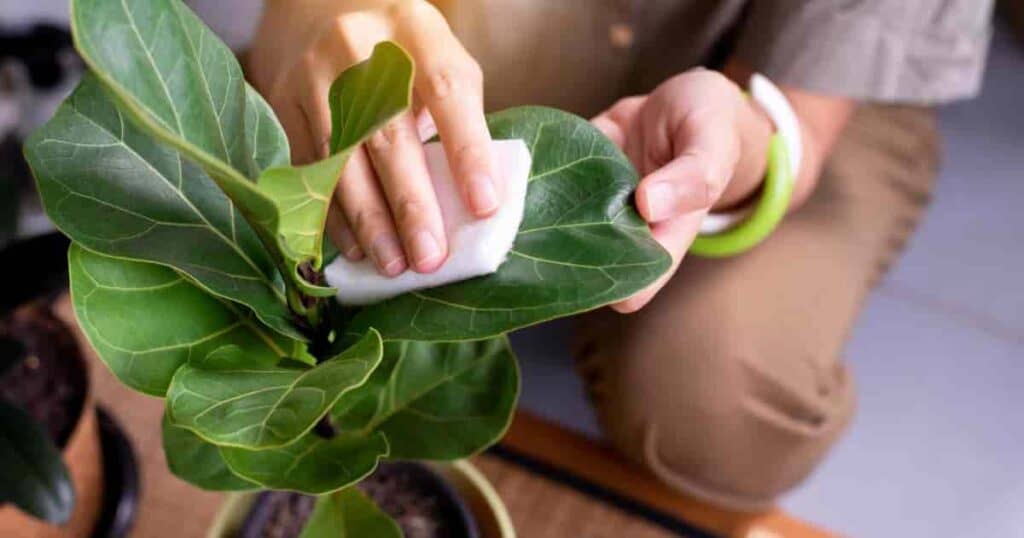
476, 247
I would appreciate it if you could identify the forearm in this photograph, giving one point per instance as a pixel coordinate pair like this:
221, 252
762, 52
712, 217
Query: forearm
822, 119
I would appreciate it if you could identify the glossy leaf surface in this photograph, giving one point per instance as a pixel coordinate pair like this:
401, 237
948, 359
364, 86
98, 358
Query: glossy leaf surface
145, 320
116, 190
581, 244
349, 514
312, 464
198, 462
226, 399
185, 87
436, 401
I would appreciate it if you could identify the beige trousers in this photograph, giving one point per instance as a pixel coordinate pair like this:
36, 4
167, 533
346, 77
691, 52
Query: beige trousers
730, 384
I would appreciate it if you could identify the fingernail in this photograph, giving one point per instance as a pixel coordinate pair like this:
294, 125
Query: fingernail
387, 254
425, 250
661, 201
483, 198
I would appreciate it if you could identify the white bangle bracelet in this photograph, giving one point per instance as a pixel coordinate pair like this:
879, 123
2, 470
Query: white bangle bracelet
765, 93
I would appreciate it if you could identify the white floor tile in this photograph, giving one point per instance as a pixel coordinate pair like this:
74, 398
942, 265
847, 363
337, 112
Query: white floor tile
935, 449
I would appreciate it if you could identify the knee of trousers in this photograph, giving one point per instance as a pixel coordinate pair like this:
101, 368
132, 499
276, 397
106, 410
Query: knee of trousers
720, 425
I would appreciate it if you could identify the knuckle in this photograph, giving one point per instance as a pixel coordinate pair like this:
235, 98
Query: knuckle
469, 156
366, 222
407, 211
394, 135
346, 32
629, 102
463, 78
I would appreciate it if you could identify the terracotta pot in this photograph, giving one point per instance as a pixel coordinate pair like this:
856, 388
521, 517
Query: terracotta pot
490, 513
83, 458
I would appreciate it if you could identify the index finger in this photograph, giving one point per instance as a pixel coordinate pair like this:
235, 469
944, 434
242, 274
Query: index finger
450, 84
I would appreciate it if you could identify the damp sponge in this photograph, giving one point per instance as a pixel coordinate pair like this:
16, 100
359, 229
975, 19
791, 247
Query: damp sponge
476, 247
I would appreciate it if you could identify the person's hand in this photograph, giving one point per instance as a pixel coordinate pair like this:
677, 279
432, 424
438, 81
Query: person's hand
686, 139
384, 205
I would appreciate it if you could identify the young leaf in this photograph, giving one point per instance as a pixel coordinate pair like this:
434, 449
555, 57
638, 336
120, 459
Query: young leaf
581, 244
362, 99
312, 464
32, 473
226, 400
185, 87
146, 320
198, 462
437, 401
113, 189
349, 514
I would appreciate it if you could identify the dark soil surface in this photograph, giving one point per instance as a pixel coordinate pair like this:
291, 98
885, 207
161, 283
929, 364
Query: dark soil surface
288, 513
50, 383
412, 501
398, 488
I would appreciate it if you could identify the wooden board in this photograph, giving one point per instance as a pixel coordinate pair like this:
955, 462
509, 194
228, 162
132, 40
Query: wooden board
597, 468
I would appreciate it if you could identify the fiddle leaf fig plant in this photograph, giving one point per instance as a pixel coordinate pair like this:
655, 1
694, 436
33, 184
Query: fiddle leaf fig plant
197, 253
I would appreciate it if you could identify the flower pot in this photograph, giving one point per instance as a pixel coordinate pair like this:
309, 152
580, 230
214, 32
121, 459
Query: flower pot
55, 383
470, 488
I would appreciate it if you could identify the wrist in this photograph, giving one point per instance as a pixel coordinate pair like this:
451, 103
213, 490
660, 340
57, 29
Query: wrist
754, 128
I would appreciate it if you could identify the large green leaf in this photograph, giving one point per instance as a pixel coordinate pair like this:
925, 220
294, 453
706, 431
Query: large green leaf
32, 474
198, 462
227, 400
112, 188
581, 244
267, 140
312, 464
172, 72
186, 88
349, 514
146, 320
438, 401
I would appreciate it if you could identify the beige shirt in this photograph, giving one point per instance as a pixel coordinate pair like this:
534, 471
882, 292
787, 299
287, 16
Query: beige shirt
583, 54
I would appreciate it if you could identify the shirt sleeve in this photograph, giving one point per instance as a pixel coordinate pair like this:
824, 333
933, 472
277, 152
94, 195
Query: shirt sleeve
909, 51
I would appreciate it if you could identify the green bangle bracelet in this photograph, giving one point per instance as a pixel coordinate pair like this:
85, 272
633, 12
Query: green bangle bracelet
766, 216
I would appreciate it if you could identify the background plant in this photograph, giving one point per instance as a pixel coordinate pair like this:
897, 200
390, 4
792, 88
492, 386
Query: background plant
197, 250
33, 476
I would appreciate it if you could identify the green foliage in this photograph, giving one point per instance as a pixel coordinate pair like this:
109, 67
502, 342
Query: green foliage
146, 320
581, 244
349, 514
198, 462
32, 473
226, 399
190, 227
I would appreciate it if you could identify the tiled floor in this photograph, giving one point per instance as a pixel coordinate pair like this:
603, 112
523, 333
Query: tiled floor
936, 447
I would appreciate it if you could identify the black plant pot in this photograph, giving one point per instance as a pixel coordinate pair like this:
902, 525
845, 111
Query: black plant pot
35, 273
